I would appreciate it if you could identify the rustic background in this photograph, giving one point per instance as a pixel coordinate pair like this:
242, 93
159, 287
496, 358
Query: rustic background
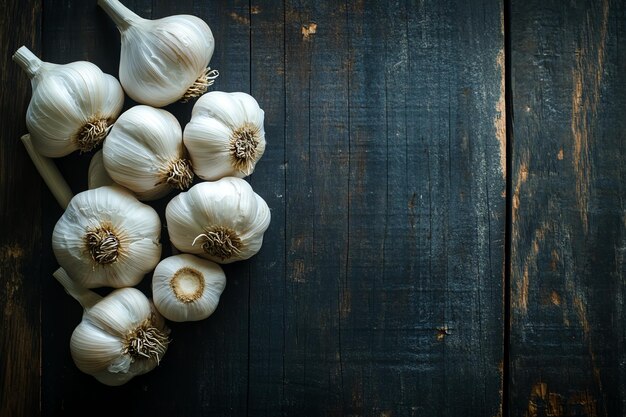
448, 236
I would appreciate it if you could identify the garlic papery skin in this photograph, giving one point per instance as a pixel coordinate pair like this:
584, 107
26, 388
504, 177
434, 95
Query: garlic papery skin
106, 237
50, 173
222, 221
119, 337
72, 105
144, 152
225, 137
97, 175
187, 288
163, 60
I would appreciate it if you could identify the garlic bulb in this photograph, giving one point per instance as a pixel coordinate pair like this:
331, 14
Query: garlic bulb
187, 288
97, 175
163, 60
106, 237
119, 337
72, 105
225, 136
223, 221
144, 152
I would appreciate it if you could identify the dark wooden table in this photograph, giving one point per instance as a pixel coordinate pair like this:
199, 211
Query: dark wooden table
448, 196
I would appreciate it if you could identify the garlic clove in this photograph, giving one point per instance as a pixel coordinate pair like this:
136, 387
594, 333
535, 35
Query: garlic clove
97, 176
222, 221
163, 60
72, 105
144, 152
250, 107
187, 288
221, 106
94, 349
106, 237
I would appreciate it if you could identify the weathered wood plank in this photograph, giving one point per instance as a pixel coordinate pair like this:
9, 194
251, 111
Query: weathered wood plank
317, 137
20, 218
267, 269
395, 208
569, 222
431, 303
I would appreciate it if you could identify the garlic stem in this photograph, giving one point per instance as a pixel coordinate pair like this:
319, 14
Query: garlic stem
50, 173
27, 61
122, 16
85, 297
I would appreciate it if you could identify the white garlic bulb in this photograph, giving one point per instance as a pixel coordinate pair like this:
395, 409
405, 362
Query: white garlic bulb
223, 221
187, 288
163, 60
119, 337
144, 152
106, 237
72, 105
225, 137
97, 175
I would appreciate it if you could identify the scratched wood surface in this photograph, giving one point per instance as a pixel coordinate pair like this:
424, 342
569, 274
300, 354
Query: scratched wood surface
568, 215
379, 288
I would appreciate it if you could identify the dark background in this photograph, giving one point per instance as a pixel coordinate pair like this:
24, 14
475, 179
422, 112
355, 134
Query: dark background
448, 233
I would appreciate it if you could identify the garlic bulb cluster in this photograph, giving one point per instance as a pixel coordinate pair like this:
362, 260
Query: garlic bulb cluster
222, 221
187, 288
72, 105
120, 336
225, 136
106, 237
144, 152
163, 60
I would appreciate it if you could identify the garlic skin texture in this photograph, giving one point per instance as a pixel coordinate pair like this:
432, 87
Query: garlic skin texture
72, 105
225, 137
97, 175
106, 237
163, 60
144, 152
222, 221
187, 288
119, 337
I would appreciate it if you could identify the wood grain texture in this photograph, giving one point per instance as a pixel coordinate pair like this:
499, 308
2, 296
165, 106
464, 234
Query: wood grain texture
569, 220
267, 270
20, 219
395, 209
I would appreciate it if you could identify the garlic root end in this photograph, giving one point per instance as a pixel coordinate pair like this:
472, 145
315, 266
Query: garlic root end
199, 87
179, 174
92, 134
220, 242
